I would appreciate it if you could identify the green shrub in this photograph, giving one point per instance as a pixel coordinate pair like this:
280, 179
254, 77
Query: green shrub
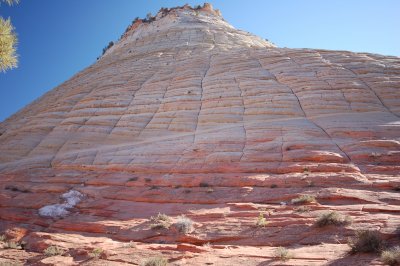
391, 256
333, 218
366, 241
96, 253
303, 199
110, 44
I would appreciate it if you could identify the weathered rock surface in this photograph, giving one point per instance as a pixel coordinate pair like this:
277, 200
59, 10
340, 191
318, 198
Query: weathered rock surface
187, 115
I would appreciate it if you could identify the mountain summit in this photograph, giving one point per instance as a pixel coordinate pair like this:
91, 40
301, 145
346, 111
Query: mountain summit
186, 115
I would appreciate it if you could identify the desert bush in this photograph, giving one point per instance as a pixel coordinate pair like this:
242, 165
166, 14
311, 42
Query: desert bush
261, 220
53, 251
110, 44
161, 221
303, 199
391, 256
155, 261
12, 245
283, 254
204, 184
303, 209
210, 190
16, 189
131, 244
184, 224
96, 253
366, 241
333, 218
149, 18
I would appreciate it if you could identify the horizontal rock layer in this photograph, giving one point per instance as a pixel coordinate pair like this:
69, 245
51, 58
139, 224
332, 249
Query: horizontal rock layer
187, 115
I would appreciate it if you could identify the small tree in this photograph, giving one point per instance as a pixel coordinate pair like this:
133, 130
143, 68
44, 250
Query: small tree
8, 42
149, 17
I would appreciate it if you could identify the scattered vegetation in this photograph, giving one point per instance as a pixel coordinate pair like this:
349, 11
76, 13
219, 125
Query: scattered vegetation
273, 186
96, 253
207, 245
333, 218
261, 220
161, 221
135, 178
131, 244
155, 261
53, 251
184, 224
303, 209
16, 189
149, 18
391, 256
283, 254
375, 155
366, 241
204, 184
147, 179
110, 44
303, 199
310, 183
12, 245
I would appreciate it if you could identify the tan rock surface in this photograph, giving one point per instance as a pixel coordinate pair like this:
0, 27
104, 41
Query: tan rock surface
187, 115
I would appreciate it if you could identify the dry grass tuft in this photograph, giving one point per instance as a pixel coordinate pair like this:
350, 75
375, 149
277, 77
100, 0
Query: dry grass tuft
283, 254
391, 256
303, 199
333, 218
366, 241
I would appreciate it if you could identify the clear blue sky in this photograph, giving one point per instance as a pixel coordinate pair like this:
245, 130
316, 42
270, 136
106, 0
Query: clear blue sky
60, 38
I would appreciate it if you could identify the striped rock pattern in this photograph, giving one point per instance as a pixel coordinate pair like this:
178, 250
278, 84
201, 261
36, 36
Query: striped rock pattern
187, 115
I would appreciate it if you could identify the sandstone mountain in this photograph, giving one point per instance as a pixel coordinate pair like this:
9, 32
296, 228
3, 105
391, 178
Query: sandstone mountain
186, 115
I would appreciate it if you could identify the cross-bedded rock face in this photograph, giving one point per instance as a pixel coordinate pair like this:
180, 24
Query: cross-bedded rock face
187, 115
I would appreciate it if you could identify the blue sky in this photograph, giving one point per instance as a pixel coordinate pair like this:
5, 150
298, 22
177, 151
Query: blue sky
60, 38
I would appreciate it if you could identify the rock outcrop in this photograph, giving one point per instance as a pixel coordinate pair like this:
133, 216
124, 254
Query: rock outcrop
186, 115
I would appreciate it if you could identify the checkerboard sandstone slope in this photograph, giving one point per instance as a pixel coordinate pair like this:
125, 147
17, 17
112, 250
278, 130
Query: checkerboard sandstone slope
188, 115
